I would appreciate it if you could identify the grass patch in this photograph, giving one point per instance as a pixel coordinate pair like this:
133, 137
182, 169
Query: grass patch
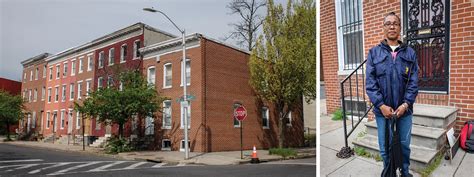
425, 172
337, 115
284, 152
363, 153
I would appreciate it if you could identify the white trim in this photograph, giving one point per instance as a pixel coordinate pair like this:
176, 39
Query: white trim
62, 121
50, 73
44, 71
164, 76
153, 82
78, 121
79, 88
48, 119
58, 71
65, 69
163, 145
173, 51
267, 113
80, 65
181, 147
123, 59
71, 91
136, 49
290, 119
43, 93
73, 67
90, 61
111, 61
171, 114
181, 126
98, 60
56, 92
188, 83
50, 91
63, 92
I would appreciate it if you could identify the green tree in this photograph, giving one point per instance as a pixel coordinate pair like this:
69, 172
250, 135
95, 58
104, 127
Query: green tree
283, 64
11, 110
117, 106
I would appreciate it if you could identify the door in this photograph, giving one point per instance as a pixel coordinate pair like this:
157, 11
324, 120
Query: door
427, 30
55, 125
69, 122
28, 124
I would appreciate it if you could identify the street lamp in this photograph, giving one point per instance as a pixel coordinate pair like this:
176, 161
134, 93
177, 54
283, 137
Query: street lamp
184, 103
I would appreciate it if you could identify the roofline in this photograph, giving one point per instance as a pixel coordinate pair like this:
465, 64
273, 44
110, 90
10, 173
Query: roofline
35, 58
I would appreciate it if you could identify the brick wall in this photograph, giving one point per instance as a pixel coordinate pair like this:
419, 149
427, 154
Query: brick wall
32, 84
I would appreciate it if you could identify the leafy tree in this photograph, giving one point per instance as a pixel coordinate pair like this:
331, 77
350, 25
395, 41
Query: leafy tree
117, 106
11, 110
283, 64
245, 31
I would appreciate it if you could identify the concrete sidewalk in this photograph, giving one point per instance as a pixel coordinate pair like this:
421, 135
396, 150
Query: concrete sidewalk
332, 140
171, 157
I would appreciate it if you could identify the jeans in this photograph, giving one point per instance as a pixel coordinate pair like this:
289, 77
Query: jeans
404, 125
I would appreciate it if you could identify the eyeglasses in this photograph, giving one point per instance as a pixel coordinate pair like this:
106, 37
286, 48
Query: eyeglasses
388, 24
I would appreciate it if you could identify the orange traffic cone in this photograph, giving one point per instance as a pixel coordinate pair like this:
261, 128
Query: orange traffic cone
254, 156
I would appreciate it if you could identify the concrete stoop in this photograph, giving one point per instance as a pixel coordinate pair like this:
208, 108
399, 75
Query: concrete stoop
48, 139
430, 124
100, 142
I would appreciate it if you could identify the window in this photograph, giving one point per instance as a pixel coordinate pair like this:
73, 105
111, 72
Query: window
44, 71
65, 70
349, 33
29, 96
24, 77
56, 91
136, 46
31, 75
167, 75
265, 118
188, 73
166, 145
151, 75
43, 93
89, 63
88, 87
188, 115
289, 119
99, 82
81, 64
63, 95
167, 114
35, 95
149, 125
79, 90
73, 67
101, 59
181, 148
123, 53
110, 81
78, 121
111, 56
49, 95
62, 119
36, 73
71, 91
57, 71
47, 120
33, 122
51, 73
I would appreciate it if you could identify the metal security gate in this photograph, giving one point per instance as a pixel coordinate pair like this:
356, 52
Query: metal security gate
426, 25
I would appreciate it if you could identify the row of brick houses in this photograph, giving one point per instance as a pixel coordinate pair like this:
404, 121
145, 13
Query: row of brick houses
217, 74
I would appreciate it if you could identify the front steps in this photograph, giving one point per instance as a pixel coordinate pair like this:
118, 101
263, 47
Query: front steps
101, 141
430, 124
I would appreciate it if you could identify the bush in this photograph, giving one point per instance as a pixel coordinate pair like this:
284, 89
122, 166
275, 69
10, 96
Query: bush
310, 140
116, 145
284, 152
337, 115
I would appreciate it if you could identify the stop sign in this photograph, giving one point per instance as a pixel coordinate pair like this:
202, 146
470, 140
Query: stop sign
240, 113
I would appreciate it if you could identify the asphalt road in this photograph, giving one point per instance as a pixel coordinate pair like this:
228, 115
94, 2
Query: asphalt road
27, 161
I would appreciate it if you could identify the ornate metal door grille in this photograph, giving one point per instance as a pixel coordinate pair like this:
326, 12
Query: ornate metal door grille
426, 26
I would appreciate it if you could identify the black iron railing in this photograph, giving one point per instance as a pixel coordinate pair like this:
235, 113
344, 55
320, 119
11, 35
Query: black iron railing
355, 105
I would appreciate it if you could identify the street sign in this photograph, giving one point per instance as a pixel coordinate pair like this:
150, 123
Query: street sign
240, 113
189, 98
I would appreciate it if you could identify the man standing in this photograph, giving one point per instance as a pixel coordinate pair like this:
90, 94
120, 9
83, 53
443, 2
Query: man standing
392, 86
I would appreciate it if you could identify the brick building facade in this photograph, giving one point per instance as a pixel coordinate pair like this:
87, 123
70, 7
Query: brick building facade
459, 90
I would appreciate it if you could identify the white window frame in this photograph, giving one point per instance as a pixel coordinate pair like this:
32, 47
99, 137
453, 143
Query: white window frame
340, 38
101, 59
56, 91
24, 76
163, 148
110, 81
79, 89
44, 71
182, 117
36, 73
88, 86
290, 119
181, 145
81, 65
135, 48
170, 114
50, 73
149, 126
73, 67
164, 76
78, 121
123, 58
100, 81
48, 119
35, 95
29, 96
71, 91
266, 111
33, 120
63, 122
31, 75
111, 57
89, 62
186, 73
63, 92
65, 67
43, 93
50, 96
148, 79
58, 71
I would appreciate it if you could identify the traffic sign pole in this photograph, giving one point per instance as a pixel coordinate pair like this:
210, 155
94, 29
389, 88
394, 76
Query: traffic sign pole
241, 142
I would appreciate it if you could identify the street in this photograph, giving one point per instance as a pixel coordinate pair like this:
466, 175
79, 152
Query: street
19, 160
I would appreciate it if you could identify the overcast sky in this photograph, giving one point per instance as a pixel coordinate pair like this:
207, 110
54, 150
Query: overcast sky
31, 27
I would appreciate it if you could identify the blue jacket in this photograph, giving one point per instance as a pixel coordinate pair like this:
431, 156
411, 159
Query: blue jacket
387, 80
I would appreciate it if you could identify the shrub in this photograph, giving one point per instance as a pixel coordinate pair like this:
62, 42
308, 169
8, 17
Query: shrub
337, 115
116, 145
284, 152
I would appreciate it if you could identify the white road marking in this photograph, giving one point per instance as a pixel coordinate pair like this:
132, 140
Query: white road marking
135, 165
158, 165
53, 166
10, 166
101, 168
73, 168
25, 160
24, 166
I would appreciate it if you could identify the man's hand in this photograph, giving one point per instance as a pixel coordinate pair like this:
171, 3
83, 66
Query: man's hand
386, 111
401, 110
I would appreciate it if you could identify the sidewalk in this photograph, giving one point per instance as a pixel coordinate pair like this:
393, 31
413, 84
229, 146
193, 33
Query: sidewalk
332, 140
171, 157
